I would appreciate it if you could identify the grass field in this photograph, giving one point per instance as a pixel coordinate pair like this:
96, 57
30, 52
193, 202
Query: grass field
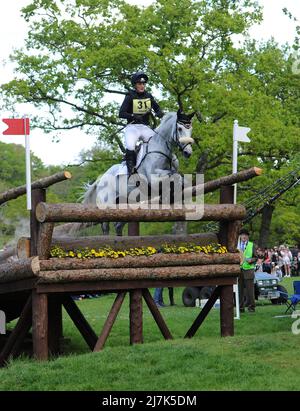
263, 354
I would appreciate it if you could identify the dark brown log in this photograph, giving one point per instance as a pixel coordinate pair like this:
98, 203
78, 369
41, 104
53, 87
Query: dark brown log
41, 183
231, 179
18, 270
157, 273
134, 229
110, 321
37, 196
113, 285
136, 316
9, 252
44, 240
157, 315
226, 310
46, 212
40, 326
17, 337
80, 322
125, 242
156, 260
226, 197
203, 313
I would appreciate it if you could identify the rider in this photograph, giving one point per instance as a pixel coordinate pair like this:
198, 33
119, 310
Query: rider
136, 109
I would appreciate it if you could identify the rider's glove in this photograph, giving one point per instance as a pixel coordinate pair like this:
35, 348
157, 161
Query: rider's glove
139, 118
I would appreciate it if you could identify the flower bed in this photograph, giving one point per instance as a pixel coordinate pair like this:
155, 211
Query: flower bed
109, 252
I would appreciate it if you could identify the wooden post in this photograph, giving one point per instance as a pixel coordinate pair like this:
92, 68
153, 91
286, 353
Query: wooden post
44, 240
134, 228
226, 310
136, 317
226, 197
55, 323
228, 235
157, 315
37, 196
40, 325
135, 300
203, 313
80, 322
110, 321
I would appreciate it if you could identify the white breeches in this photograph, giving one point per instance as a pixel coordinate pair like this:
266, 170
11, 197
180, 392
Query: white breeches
135, 132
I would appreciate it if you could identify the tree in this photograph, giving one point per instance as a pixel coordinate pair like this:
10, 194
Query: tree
79, 54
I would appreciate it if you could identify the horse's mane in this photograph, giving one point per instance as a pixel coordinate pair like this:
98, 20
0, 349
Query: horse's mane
168, 122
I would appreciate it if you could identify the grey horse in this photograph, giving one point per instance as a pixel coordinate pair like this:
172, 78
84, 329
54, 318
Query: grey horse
155, 158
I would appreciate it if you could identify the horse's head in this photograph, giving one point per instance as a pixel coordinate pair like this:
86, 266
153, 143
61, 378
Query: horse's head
183, 133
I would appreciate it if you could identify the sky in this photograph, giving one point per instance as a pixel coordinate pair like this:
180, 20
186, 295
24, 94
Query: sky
13, 30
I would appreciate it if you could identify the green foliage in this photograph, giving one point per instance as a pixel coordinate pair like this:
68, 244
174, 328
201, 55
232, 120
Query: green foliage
79, 55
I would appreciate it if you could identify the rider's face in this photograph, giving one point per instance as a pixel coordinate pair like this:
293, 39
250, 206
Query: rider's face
140, 87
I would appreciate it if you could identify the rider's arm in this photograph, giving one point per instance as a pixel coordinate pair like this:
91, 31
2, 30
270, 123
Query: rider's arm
156, 108
126, 108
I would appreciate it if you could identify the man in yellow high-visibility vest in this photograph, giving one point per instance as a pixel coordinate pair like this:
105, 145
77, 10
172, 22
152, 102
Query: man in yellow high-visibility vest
246, 278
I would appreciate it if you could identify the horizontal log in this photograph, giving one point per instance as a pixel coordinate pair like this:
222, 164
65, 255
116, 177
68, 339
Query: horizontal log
9, 252
156, 260
19, 270
74, 212
41, 183
127, 274
243, 175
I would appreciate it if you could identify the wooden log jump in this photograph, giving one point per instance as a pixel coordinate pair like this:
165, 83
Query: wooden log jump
48, 283
46, 212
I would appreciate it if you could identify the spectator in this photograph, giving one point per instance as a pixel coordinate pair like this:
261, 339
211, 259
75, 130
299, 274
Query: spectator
246, 278
286, 260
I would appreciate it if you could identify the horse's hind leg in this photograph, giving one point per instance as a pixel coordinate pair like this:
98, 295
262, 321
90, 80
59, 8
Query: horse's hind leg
105, 228
119, 228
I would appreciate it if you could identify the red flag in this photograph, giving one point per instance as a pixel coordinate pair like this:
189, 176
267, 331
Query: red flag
16, 126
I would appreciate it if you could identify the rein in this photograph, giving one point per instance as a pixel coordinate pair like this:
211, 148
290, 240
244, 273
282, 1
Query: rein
174, 138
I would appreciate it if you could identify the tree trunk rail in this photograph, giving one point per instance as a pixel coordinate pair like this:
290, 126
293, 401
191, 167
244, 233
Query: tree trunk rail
74, 212
44, 182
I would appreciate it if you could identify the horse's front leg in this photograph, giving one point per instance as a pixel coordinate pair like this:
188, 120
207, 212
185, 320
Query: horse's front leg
168, 183
119, 228
105, 228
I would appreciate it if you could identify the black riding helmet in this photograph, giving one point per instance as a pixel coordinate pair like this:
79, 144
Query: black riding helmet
139, 76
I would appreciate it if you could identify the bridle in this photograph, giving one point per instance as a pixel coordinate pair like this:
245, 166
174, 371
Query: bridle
175, 138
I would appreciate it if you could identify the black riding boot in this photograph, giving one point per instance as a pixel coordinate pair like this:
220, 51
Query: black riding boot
130, 157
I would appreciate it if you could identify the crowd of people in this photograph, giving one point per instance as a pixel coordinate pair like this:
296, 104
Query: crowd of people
281, 261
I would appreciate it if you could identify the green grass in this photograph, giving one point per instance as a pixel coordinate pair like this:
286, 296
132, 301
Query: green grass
263, 354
